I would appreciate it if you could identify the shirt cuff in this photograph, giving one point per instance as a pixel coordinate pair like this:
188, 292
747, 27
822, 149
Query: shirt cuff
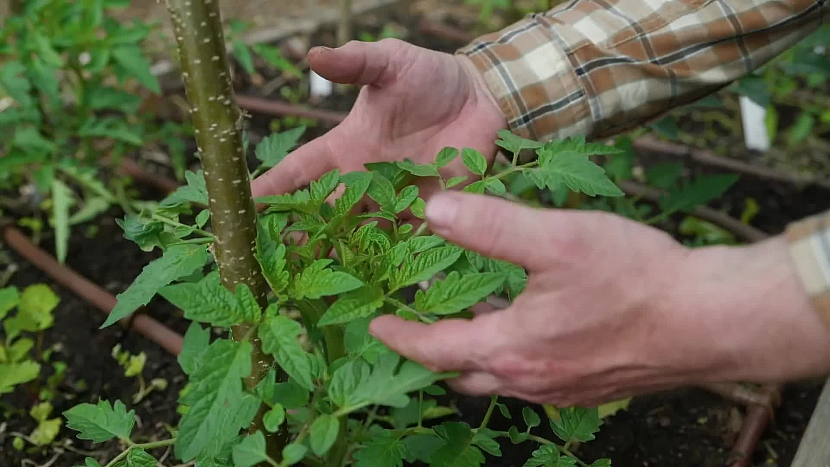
810, 250
533, 81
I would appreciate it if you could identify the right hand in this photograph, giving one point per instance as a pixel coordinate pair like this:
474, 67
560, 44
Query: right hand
414, 102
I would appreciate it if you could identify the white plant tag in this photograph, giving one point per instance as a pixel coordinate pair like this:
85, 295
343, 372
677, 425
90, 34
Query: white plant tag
320, 87
754, 117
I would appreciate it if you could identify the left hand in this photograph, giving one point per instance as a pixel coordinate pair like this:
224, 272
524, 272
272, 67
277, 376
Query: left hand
613, 308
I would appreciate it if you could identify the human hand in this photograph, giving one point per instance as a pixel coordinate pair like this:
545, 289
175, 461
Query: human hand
613, 308
414, 102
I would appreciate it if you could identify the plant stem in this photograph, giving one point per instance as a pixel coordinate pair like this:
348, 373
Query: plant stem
217, 125
493, 401
344, 23
173, 223
514, 169
145, 446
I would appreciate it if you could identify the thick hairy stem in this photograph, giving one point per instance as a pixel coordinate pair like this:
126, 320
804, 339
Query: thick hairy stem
16, 7
217, 124
344, 24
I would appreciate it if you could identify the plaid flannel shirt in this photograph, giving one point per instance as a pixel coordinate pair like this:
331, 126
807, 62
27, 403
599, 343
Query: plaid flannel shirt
601, 67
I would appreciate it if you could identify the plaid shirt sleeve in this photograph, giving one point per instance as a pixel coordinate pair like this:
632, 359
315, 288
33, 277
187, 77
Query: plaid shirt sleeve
601, 67
810, 251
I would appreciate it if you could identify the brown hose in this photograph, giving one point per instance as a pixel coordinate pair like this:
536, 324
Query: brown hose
702, 156
747, 232
755, 423
103, 300
275, 108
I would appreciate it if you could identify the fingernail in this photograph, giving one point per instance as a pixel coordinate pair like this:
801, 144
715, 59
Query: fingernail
442, 211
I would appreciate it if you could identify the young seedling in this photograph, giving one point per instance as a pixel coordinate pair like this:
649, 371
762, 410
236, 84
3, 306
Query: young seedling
133, 366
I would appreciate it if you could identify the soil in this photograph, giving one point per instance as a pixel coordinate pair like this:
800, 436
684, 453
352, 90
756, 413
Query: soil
682, 428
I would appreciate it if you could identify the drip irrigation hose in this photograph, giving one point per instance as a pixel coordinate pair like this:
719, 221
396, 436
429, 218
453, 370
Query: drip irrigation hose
92, 293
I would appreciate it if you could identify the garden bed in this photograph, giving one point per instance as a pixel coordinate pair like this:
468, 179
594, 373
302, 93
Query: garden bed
687, 427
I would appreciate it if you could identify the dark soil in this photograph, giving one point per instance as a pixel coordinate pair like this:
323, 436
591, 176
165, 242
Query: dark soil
679, 428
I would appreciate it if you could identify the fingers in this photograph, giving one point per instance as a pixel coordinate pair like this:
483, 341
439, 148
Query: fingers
450, 345
356, 62
494, 227
298, 169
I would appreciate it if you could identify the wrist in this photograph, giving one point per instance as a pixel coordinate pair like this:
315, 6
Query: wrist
481, 91
751, 316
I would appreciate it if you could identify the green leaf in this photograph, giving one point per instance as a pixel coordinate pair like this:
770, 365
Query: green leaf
111, 128
602, 463
801, 128
274, 418
422, 447
574, 170
323, 188
445, 156
215, 395
37, 302
9, 298
102, 422
13, 80
530, 417
32, 142
353, 194
475, 187
131, 60
667, 127
271, 251
194, 192
474, 161
418, 208
576, 423
458, 450
384, 450
505, 412
495, 186
385, 386
138, 457
250, 451
250, 310
456, 181
274, 58
485, 440
196, 341
293, 453
19, 350
381, 190
406, 198
273, 149
419, 170
61, 200
91, 208
664, 175
424, 266
515, 144
357, 304
516, 437
208, 301
457, 293
549, 456
699, 192
323, 433
107, 98
243, 55
177, 262
46, 432
14, 374
319, 281
279, 338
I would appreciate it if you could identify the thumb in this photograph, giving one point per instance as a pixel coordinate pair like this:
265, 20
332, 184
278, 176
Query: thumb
495, 228
354, 63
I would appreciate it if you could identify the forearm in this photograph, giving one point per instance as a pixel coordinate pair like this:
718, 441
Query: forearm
599, 67
760, 324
